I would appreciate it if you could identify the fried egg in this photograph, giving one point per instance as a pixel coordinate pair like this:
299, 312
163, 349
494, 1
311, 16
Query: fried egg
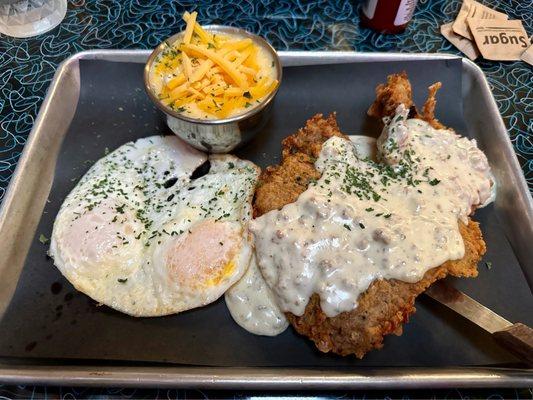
156, 227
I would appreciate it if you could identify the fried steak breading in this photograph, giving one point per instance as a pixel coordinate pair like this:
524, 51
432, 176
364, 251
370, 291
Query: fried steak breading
389, 95
383, 307
282, 184
397, 91
386, 304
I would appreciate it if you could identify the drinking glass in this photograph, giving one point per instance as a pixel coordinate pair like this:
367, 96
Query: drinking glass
25, 18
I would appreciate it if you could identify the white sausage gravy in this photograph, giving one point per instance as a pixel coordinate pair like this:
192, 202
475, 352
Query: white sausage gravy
252, 304
363, 220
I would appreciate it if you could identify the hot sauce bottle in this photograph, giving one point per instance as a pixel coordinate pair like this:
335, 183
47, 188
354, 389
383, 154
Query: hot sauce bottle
387, 16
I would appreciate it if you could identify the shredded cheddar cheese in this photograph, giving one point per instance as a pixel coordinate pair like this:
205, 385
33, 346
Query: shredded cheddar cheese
212, 75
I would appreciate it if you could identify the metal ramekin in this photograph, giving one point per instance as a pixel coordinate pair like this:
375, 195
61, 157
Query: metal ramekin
217, 135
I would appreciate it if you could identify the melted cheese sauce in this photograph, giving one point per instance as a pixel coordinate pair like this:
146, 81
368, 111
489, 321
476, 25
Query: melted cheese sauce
252, 304
365, 220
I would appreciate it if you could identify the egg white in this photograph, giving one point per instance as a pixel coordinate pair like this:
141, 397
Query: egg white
139, 235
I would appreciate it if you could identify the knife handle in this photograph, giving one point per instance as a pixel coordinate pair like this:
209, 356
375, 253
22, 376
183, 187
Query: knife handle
518, 339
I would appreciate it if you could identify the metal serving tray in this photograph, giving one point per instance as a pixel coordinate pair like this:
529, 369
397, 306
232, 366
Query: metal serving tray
31, 183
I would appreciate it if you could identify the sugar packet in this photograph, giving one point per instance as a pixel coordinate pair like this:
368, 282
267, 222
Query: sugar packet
473, 9
500, 40
467, 47
527, 55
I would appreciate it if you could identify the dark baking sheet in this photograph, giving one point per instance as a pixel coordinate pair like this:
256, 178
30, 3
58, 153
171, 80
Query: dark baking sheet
47, 318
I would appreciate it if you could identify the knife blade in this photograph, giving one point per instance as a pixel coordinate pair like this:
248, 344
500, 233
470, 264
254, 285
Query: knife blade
516, 338
467, 307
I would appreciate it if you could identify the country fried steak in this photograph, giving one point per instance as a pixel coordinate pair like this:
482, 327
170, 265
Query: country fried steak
282, 184
386, 304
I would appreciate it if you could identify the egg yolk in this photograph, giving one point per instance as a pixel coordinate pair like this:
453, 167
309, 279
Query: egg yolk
203, 256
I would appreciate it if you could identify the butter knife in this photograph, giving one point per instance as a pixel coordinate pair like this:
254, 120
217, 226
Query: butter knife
516, 338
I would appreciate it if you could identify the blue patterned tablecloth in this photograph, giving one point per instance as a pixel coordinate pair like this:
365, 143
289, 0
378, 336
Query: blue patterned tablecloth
28, 65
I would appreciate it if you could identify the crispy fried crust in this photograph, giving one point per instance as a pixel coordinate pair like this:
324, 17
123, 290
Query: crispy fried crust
309, 139
389, 95
428, 111
383, 307
386, 304
397, 91
282, 184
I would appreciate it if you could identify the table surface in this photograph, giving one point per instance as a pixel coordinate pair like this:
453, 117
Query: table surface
28, 65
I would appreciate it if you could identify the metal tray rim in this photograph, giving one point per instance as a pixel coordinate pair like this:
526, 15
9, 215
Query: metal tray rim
253, 378
268, 378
